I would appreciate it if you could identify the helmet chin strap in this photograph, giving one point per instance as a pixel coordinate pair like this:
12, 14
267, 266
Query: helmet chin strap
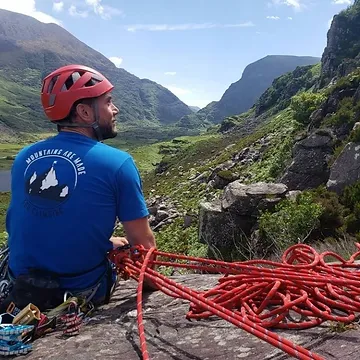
94, 125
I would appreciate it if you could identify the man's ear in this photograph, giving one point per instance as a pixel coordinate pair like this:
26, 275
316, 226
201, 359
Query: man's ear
84, 111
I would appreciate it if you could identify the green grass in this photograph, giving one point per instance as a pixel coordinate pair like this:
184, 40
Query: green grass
4, 203
9, 149
147, 156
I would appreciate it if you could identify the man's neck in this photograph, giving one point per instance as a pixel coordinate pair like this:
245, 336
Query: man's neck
82, 131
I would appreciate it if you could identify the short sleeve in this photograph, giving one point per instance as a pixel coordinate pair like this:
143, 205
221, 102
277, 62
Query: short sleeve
131, 203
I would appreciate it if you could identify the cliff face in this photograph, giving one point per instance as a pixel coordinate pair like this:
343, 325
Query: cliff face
256, 78
342, 53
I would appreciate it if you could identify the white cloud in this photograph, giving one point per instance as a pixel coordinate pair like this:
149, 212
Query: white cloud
28, 7
297, 5
273, 17
170, 73
104, 11
73, 11
182, 27
116, 60
290, 18
342, 2
58, 6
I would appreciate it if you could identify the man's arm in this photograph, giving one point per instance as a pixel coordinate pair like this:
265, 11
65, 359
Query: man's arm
132, 209
138, 232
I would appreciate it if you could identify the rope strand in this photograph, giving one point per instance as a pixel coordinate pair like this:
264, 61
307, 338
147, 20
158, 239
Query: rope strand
300, 292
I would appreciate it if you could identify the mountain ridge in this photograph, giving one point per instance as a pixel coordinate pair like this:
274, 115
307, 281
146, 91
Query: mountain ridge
242, 94
33, 49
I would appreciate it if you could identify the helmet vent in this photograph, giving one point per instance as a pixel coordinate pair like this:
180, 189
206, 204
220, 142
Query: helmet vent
92, 82
52, 83
71, 80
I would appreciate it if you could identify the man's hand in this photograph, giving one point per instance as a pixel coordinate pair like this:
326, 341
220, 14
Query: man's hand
139, 233
118, 241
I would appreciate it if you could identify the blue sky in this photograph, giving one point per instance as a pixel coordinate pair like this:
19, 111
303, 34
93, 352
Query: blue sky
196, 48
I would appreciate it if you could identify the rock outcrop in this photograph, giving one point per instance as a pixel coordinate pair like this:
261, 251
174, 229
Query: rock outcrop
112, 333
309, 167
346, 169
341, 55
228, 222
162, 211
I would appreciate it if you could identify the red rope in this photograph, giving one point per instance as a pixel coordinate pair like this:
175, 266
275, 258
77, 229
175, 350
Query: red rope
300, 292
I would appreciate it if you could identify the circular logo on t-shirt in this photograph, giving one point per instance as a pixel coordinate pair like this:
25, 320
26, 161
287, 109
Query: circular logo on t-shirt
49, 181
51, 178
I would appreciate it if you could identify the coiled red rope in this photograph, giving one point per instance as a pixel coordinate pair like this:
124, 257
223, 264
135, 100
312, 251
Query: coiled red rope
301, 291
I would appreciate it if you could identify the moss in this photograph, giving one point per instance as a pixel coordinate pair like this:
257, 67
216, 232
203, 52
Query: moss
226, 175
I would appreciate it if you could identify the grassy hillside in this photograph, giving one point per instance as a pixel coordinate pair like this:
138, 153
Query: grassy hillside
291, 109
29, 50
273, 134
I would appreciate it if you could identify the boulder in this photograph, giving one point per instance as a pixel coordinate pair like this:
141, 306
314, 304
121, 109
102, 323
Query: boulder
221, 229
245, 199
309, 167
227, 223
346, 169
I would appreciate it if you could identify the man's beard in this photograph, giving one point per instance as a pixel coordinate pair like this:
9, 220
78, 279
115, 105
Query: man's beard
108, 132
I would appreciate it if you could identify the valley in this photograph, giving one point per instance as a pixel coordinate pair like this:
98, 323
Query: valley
247, 176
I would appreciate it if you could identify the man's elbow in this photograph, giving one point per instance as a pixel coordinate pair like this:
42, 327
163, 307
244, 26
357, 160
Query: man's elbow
147, 241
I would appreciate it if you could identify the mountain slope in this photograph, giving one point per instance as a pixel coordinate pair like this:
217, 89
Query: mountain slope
256, 78
299, 133
30, 49
342, 53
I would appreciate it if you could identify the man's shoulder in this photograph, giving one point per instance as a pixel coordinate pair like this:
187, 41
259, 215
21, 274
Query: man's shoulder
111, 156
112, 151
27, 149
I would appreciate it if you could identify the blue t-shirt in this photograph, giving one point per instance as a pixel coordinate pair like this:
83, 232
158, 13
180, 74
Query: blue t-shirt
66, 194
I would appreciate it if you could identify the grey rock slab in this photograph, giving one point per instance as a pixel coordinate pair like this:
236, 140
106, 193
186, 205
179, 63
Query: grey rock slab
112, 333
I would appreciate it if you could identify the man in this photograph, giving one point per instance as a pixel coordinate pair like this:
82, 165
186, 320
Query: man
67, 192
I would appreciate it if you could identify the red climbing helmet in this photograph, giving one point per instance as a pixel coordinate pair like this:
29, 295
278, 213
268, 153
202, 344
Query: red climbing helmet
68, 84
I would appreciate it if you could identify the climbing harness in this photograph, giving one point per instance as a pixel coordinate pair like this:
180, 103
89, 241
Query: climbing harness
29, 323
301, 291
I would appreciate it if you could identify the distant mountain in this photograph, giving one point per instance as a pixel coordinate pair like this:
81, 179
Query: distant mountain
30, 49
194, 108
256, 78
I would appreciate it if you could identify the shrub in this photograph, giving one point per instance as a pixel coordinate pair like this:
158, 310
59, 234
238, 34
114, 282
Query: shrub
345, 114
351, 196
291, 223
355, 135
174, 239
304, 103
332, 217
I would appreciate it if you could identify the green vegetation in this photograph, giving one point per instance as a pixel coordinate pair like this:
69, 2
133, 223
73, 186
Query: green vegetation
278, 96
291, 223
347, 113
282, 130
177, 156
305, 103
